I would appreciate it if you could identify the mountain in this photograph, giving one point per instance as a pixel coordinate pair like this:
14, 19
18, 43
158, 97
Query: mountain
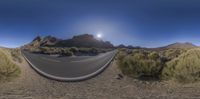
84, 40
180, 45
121, 46
46, 41
129, 46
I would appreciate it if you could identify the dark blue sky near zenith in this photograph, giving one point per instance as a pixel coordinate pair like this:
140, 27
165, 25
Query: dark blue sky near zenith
148, 23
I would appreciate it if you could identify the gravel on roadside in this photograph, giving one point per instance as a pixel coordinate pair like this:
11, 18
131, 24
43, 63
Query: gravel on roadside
110, 84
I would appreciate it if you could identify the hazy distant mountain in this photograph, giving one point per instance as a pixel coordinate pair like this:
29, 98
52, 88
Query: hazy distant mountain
87, 40
129, 46
84, 40
121, 46
180, 45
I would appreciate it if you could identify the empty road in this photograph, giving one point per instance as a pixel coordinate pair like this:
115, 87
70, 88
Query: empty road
69, 68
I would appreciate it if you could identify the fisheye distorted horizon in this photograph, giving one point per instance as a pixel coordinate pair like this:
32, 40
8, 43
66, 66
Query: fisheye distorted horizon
130, 22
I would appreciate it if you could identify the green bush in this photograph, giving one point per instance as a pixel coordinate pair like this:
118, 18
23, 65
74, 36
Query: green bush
185, 68
45, 50
180, 64
74, 49
173, 53
16, 55
34, 50
66, 52
153, 55
88, 50
84, 50
140, 64
120, 57
50, 50
8, 69
94, 50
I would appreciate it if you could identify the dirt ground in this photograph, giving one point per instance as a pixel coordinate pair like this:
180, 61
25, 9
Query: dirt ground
31, 85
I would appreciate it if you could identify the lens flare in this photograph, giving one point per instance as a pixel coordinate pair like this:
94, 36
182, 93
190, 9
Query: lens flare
99, 35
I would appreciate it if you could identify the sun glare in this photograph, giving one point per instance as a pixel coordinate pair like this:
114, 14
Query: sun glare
99, 35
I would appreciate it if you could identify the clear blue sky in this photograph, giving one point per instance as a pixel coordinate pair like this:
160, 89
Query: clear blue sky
148, 23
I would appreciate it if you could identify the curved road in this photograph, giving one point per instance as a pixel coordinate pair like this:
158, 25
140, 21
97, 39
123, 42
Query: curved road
69, 68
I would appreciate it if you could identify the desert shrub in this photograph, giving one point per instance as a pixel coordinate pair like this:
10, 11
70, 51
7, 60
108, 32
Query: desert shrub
180, 64
120, 57
8, 69
50, 50
123, 49
104, 50
45, 50
153, 55
16, 55
73, 49
34, 50
88, 51
135, 51
94, 50
140, 64
66, 52
84, 50
138, 56
54, 50
173, 53
185, 68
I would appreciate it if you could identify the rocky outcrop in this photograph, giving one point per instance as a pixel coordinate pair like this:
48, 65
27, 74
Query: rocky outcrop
84, 40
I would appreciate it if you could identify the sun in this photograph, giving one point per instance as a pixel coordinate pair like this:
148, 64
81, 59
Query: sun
99, 35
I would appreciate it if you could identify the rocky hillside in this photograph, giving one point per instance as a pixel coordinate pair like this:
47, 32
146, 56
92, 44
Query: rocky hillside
41, 42
84, 40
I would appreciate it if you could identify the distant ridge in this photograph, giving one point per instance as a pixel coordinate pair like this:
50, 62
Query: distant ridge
186, 45
178, 45
84, 40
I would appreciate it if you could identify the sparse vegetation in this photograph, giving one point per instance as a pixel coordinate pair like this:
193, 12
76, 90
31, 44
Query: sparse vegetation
74, 49
84, 44
15, 53
67, 51
185, 68
172, 53
180, 64
8, 69
140, 63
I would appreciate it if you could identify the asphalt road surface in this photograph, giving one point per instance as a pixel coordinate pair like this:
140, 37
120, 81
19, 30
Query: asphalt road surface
69, 68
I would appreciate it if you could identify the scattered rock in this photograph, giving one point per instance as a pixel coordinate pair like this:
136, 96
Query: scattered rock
119, 76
